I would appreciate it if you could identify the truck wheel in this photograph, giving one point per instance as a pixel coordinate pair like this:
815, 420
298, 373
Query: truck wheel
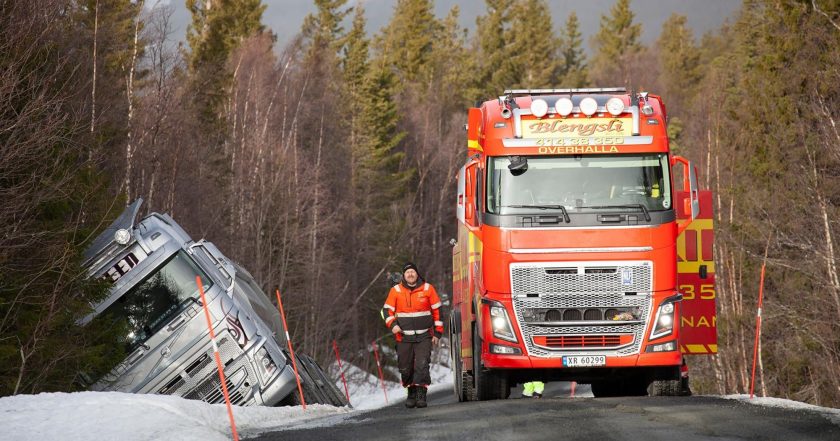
665, 388
458, 375
327, 386
685, 388
489, 384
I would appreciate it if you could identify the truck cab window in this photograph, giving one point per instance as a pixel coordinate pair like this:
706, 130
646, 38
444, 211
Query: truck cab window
146, 308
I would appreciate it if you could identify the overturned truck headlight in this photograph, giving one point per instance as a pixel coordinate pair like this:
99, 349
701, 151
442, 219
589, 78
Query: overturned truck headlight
501, 323
265, 365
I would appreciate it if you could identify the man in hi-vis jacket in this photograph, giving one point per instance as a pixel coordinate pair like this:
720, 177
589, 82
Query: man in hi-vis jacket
413, 315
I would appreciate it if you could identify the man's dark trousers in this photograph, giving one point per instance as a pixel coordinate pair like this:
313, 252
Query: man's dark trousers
413, 359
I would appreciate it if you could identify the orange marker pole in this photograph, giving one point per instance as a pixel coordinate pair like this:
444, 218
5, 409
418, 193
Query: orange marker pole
574, 383
291, 351
216, 355
379, 366
341, 371
757, 328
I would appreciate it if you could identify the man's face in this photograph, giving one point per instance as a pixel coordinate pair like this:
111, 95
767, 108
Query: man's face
410, 276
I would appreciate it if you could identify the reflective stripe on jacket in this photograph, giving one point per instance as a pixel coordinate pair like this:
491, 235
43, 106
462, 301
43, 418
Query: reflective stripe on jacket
416, 311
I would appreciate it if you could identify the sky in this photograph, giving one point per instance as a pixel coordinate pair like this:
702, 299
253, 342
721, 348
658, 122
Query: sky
285, 17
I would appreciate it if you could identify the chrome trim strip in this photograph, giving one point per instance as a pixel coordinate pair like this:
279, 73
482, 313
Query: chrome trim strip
532, 142
565, 91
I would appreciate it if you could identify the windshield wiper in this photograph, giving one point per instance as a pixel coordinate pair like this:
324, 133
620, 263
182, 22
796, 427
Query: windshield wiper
639, 206
546, 207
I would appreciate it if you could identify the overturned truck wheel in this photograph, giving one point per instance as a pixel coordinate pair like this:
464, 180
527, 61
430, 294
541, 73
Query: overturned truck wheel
316, 385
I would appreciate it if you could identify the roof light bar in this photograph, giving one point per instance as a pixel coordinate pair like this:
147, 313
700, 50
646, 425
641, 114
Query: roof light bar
588, 106
564, 106
539, 108
615, 106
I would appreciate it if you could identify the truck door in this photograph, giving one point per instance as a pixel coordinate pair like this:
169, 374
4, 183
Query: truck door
696, 278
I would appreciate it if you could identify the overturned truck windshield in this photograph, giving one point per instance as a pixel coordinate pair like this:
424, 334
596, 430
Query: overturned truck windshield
153, 302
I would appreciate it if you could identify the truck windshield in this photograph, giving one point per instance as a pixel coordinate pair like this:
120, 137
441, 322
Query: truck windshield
579, 183
152, 303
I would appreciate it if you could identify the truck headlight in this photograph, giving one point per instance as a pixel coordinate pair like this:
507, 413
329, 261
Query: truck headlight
501, 323
664, 322
266, 367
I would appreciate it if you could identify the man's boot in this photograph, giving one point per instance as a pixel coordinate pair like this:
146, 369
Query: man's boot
421, 396
411, 400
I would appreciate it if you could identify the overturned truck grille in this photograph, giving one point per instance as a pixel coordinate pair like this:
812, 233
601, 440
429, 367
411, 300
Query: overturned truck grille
582, 306
199, 380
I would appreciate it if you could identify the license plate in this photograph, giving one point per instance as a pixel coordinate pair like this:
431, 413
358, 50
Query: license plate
584, 360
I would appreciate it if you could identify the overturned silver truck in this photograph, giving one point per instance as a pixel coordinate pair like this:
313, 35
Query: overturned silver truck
154, 306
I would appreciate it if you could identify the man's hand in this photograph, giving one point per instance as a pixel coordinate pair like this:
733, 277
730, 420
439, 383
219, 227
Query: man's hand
435, 341
396, 329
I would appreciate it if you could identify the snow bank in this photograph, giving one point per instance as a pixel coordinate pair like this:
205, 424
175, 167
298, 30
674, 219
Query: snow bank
133, 417
831, 414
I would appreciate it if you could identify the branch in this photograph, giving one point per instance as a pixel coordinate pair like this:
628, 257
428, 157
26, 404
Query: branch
818, 10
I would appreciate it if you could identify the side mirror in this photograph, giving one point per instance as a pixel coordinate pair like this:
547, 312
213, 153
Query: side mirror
692, 203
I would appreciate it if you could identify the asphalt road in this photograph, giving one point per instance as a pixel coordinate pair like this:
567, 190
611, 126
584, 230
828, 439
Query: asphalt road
559, 417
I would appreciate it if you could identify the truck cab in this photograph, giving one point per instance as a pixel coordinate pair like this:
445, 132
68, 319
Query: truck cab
565, 266
154, 306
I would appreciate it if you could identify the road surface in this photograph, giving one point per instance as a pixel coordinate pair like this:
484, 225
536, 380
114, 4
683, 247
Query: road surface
559, 417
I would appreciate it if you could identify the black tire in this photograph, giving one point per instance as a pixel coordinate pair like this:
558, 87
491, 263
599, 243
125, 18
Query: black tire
457, 368
685, 388
669, 386
311, 391
489, 384
665, 388
324, 383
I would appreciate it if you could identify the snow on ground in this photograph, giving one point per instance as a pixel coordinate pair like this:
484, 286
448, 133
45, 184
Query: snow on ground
128, 417
366, 390
115, 415
831, 414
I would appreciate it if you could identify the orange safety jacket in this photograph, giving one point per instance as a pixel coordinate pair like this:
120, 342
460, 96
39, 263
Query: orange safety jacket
416, 311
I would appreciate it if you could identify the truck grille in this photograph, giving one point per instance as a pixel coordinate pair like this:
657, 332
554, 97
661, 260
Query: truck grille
568, 277
553, 302
200, 380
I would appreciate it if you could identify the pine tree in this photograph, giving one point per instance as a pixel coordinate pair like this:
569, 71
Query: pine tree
406, 42
355, 72
454, 67
493, 78
217, 28
322, 31
376, 181
534, 49
574, 71
679, 60
615, 44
